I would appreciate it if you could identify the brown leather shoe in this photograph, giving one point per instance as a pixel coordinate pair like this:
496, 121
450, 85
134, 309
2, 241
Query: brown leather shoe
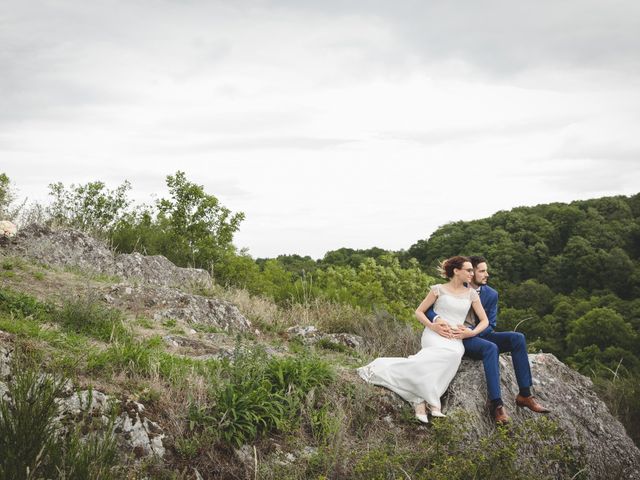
500, 415
531, 404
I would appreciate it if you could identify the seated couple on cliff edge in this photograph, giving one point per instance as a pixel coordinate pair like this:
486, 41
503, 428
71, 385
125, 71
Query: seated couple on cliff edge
459, 319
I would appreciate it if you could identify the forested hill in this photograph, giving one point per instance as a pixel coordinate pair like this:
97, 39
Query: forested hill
584, 246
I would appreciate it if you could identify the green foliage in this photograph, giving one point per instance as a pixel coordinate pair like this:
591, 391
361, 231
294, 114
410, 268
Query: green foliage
8, 210
128, 356
621, 393
5, 193
383, 286
199, 228
26, 427
31, 442
91, 207
191, 228
88, 316
257, 395
602, 327
501, 455
22, 305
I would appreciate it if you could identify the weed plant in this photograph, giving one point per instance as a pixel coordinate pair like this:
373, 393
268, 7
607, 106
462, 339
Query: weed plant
32, 442
256, 395
89, 316
22, 305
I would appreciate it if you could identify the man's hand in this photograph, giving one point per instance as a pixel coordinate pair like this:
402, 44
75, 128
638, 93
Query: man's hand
442, 328
461, 332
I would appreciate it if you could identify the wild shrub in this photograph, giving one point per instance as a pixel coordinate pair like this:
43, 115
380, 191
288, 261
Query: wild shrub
501, 455
22, 305
128, 356
385, 335
622, 396
88, 316
32, 442
258, 394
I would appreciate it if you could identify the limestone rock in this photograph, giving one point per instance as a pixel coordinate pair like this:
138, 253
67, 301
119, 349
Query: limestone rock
72, 248
153, 282
608, 450
310, 335
164, 303
141, 434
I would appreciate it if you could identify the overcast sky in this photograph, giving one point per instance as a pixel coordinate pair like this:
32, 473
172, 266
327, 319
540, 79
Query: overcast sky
328, 123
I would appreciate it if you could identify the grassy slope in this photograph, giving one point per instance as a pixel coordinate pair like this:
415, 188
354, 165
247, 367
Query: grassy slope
300, 412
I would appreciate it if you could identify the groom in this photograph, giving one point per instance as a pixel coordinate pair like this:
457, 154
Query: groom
488, 345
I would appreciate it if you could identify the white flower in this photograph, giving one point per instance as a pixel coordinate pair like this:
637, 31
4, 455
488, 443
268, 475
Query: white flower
7, 228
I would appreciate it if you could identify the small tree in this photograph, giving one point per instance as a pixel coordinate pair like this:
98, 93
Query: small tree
5, 194
8, 211
199, 227
91, 207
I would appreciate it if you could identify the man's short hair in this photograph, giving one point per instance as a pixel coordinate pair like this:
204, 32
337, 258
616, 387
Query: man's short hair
477, 260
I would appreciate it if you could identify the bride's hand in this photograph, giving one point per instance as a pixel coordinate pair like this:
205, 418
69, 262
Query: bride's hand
442, 328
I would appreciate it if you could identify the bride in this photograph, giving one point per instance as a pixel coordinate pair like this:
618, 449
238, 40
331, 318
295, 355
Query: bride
425, 376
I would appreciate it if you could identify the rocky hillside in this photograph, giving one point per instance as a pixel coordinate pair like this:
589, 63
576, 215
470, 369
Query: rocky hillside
180, 370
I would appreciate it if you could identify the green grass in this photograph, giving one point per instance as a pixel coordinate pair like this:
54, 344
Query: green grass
92, 275
34, 446
22, 305
90, 317
145, 323
257, 395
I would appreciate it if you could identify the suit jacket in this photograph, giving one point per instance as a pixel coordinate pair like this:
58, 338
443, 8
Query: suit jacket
489, 301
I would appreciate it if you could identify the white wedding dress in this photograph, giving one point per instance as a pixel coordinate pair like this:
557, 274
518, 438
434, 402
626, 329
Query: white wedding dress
426, 375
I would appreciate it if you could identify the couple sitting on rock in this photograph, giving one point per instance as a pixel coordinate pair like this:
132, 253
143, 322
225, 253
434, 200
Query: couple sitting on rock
451, 331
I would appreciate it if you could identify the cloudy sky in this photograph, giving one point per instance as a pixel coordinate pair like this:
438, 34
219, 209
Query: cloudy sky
329, 123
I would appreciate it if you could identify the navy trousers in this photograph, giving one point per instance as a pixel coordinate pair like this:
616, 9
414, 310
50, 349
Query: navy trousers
487, 349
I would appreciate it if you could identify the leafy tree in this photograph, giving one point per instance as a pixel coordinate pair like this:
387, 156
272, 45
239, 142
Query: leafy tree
601, 327
8, 210
199, 228
381, 285
6, 196
91, 207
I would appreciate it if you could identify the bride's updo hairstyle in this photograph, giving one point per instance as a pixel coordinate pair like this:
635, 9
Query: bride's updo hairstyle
445, 269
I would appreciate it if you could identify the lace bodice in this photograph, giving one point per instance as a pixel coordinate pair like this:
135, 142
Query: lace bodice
453, 307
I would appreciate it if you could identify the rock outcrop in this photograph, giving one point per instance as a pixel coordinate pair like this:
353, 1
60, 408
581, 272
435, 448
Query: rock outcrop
590, 427
153, 285
72, 248
165, 303
136, 434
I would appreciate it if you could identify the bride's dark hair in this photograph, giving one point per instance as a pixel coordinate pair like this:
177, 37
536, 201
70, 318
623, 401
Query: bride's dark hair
445, 269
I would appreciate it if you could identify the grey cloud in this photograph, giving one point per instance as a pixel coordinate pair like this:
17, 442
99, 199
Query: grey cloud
257, 143
445, 135
501, 37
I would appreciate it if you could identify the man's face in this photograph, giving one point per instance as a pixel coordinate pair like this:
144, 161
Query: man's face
481, 274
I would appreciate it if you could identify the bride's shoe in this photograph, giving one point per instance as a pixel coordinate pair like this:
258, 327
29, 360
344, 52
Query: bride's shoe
436, 412
421, 412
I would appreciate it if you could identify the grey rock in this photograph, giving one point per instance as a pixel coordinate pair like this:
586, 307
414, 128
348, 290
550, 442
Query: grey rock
164, 303
346, 339
302, 332
6, 350
310, 335
143, 436
72, 248
585, 419
82, 401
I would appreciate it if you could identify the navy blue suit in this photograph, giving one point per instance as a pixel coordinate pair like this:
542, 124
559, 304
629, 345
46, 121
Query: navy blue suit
489, 344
